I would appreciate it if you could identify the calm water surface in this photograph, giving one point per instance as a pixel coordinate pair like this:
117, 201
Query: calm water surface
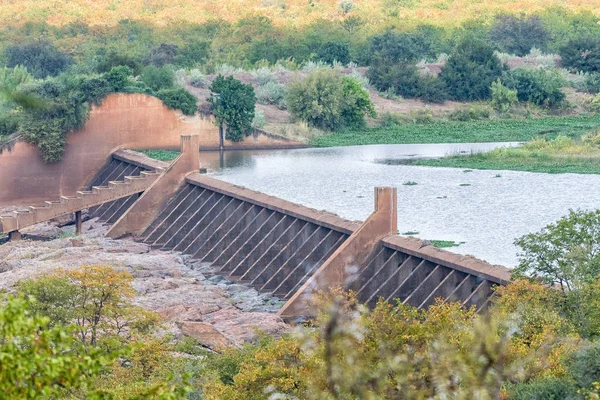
487, 215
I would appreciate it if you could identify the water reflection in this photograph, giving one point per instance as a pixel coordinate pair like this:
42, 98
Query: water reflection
485, 209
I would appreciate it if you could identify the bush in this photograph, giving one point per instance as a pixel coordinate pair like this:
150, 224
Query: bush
537, 86
545, 389
470, 114
581, 54
584, 366
519, 35
591, 82
470, 71
116, 58
325, 99
162, 55
158, 78
356, 103
234, 106
503, 98
334, 51
41, 59
192, 54
95, 88
259, 120
432, 90
178, 99
9, 124
271, 93
403, 78
118, 78
197, 79
424, 42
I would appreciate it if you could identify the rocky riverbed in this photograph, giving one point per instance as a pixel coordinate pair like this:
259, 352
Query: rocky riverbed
213, 310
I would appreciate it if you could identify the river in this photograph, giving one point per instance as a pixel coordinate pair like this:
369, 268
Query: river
486, 210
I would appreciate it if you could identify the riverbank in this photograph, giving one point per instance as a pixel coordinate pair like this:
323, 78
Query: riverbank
493, 130
561, 155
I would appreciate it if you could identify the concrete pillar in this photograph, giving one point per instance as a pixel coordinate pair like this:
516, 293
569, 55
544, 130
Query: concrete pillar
78, 222
148, 206
14, 236
352, 253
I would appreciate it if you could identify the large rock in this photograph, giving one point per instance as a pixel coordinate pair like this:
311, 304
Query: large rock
206, 335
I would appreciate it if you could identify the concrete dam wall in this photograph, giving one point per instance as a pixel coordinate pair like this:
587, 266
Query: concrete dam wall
122, 121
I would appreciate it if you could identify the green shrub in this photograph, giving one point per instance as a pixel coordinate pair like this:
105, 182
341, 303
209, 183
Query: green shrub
95, 88
178, 99
162, 55
584, 366
259, 120
334, 51
503, 98
158, 78
118, 78
192, 54
390, 120
581, 54
537, 86
591, 82
545, 389
197, 79
41, 59
115, 58
471, 70
234, 106
518, 36
317, 99
9, 124
325, 99
470, 114
403, 78
271, 93
356, 103
432, 90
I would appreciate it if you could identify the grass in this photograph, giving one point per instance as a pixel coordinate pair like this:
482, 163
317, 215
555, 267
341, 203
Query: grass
410, 233
561, 155
445, 243
161, 155
495, 130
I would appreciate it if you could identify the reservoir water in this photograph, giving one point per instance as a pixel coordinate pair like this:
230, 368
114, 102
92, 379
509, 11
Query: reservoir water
486, 210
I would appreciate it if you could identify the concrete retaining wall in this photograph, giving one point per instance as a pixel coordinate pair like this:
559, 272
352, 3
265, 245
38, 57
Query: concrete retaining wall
122, 121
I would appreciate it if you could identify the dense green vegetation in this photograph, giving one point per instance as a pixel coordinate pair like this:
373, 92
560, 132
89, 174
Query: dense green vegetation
161, 155
493, 130
561, 155
539, 338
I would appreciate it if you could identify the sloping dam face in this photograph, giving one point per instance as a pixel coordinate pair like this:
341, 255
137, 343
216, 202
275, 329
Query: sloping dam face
276, 246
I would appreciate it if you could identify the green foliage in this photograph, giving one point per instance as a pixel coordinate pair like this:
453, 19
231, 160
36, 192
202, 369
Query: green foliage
158, 78
234, 106
471, 70
503, 98
545, 389
334, 51
161, 155
563, 253
403, 78
178, 99
325, 99
115, 58
118, 77
581, 54
273, 93
162, 55
41, 59
591, 83
192, 54
432, 90
518, 36
95, 88
356, 104
584, 366
9, 124
38, 361
197, 79
259, 120
472, 113
537, 86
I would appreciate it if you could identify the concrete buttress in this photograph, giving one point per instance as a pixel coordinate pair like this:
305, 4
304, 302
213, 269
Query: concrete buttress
148, 206
347, 261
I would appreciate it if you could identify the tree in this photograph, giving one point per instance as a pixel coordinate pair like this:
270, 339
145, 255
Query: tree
118, 77
401, 77
519, 35
41, 59
581, 54
158, 78
471, 70
179, 99
565, 253
234, 106
162, 55
334, 51
356, 103
38, 361
503, 97
537, 86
